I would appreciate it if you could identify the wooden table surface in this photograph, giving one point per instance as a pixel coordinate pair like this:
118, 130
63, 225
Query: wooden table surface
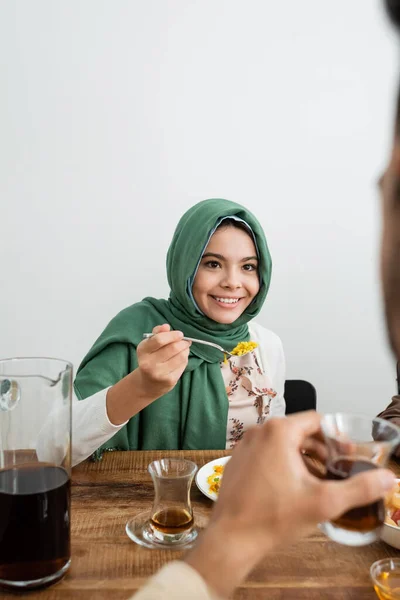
106, 564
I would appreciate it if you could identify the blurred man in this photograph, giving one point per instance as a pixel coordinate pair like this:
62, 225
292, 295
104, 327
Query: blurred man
390, 251
252, 520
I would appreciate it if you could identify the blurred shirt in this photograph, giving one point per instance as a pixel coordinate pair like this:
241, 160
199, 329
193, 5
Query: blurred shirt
176, 581
392, 413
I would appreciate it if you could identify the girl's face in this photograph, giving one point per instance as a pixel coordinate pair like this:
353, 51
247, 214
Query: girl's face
227, 278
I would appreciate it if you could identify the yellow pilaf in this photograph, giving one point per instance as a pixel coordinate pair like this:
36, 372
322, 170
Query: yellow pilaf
214, 480
244, 348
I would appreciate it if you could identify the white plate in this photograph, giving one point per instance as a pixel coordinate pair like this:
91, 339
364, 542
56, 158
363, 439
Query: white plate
206, 471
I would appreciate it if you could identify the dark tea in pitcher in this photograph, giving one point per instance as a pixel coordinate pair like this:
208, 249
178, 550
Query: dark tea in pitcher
34, 522
362, 518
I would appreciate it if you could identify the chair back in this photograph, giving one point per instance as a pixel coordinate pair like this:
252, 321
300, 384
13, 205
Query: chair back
299, 395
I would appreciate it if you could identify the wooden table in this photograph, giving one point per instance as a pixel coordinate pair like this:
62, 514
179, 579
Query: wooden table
106, 564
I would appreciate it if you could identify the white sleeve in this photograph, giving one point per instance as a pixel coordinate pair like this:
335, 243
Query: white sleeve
273, 363
91, 428
176, 580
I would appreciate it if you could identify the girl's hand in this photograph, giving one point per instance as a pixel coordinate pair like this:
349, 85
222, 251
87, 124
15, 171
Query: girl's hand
162, 360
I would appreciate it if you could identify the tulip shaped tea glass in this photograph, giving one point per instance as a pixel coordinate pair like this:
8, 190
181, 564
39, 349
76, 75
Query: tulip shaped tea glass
356, 444
385, 575
171, 523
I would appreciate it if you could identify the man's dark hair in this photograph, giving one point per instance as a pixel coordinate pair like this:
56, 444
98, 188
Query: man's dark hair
393, 10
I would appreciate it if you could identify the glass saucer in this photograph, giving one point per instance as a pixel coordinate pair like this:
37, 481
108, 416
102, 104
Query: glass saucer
139, 530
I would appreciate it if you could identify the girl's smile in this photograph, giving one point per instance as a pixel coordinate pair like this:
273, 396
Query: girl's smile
227, 302
227, 278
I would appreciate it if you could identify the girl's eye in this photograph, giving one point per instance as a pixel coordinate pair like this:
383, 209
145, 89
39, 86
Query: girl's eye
250, 267
212, 264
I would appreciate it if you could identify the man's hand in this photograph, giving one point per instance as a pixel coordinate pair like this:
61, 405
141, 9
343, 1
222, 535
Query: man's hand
269, 498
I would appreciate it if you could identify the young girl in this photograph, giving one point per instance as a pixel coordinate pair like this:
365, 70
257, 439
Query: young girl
165, 392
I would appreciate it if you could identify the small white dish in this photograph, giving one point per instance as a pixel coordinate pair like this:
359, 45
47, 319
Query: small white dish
205, 471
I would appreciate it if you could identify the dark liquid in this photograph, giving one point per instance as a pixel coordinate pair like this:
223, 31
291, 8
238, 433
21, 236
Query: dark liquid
172, 521
34, 522
363, 518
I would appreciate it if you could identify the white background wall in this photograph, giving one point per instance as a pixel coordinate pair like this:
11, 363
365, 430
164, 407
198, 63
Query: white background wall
118, 115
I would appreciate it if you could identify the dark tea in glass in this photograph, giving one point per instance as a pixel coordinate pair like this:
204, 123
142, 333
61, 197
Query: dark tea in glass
362, 518
355, 444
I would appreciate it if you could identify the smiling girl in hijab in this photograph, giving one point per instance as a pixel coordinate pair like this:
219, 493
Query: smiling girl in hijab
165, 393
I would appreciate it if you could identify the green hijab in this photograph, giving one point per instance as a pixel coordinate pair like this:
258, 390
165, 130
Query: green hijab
193, 415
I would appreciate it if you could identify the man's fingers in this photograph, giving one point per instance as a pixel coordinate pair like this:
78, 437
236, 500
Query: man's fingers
316, 449
359, 490
304, 425
314, 466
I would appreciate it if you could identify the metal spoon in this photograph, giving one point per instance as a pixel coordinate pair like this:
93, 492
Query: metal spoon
146, 336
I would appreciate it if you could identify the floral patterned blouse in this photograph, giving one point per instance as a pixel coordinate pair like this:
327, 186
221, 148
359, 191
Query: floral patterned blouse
249, 394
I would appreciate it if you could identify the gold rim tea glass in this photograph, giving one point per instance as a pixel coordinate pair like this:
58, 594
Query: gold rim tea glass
385, 575
35, 469
170, 523
357, 443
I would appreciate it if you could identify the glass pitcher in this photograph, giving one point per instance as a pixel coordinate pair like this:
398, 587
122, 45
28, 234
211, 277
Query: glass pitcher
35, 470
